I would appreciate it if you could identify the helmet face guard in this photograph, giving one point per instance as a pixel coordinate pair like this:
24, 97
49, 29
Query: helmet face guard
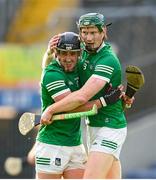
69, 41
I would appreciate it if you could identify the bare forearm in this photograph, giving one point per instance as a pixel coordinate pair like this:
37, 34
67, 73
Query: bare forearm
69, 103
47, 58
88, 106
77, 98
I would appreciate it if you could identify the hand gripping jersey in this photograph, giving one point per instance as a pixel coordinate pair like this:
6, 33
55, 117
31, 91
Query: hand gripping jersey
104, 65
55, 82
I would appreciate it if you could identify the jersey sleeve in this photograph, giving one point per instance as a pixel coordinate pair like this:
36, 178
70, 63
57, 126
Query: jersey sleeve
54, 82
104, 68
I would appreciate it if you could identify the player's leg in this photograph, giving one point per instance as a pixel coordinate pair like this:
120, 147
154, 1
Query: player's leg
48, 176
73, 174
105, 168
76, 165
51, 161
98, 165
115, 170
105, 149
31, 156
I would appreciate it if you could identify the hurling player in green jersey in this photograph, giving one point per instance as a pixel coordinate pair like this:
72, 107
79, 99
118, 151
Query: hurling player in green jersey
98, 67
59, 148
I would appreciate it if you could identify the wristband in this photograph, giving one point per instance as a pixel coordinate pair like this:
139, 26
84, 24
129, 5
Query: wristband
103, 102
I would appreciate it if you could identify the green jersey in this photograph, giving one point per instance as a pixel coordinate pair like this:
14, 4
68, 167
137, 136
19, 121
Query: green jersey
103, 65
55, 82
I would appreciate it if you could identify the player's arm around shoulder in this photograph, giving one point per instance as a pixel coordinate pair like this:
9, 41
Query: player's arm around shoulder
75, 99
91, 88
49, 55
47, 58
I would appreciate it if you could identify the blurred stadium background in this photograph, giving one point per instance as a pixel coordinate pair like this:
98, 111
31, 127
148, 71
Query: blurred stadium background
25, 29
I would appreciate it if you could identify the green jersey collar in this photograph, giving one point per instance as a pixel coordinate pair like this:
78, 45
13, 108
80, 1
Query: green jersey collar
102, 45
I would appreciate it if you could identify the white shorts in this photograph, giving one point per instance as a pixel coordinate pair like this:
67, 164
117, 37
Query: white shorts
107, 140
56, 159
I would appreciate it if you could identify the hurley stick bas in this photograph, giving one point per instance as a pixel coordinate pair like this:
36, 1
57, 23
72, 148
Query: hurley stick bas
29, 120
135, 80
